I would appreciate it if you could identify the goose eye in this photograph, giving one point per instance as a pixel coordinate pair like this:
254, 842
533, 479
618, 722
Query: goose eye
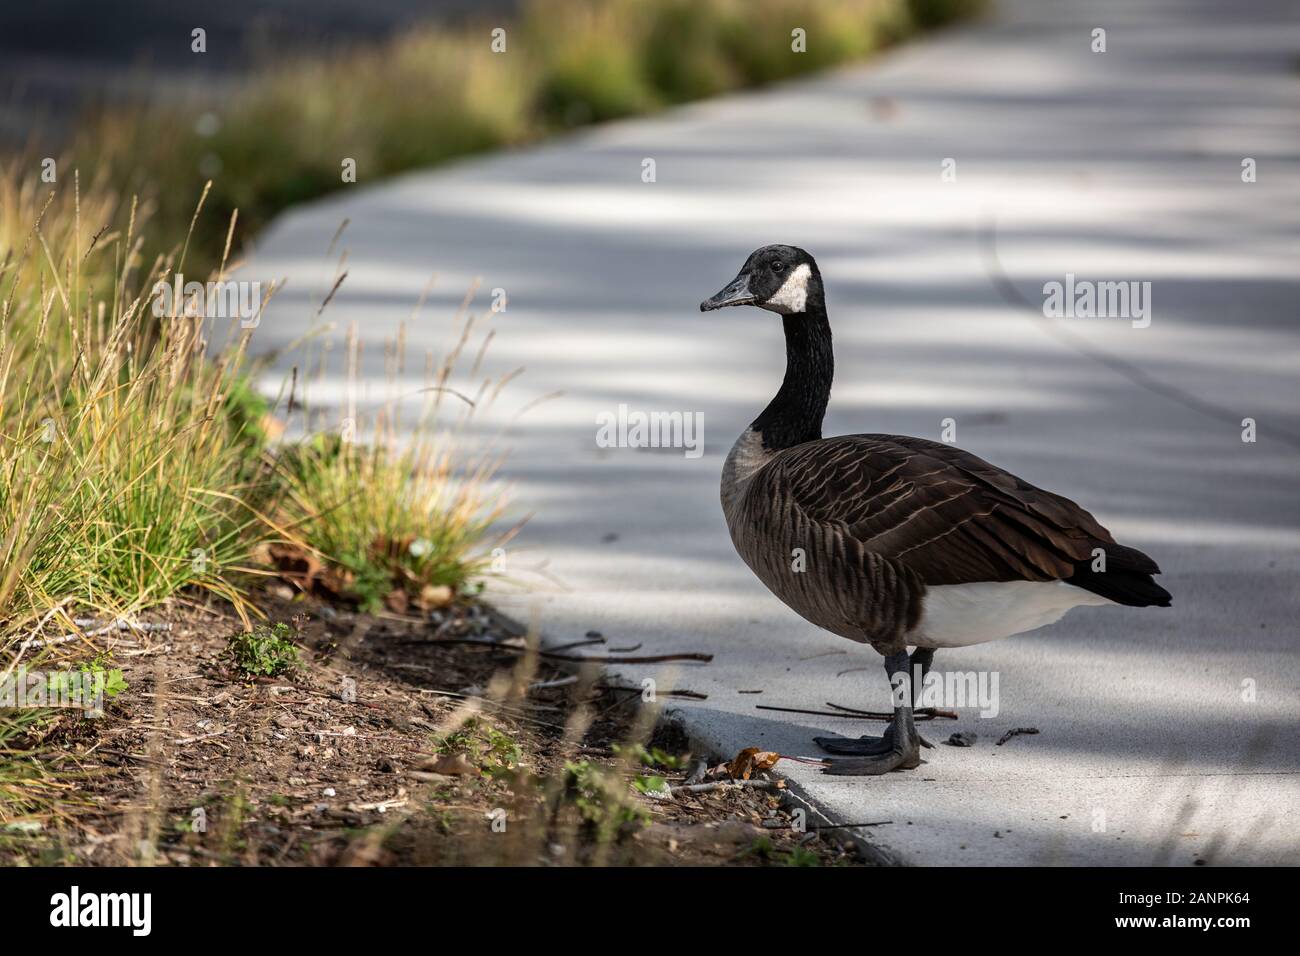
778, 266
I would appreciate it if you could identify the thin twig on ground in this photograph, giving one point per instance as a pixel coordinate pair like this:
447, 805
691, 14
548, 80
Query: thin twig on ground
728, 785
925, 713
577, 658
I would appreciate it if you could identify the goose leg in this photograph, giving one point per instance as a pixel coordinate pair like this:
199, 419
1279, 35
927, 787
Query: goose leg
871, 746
925, 657
904, 744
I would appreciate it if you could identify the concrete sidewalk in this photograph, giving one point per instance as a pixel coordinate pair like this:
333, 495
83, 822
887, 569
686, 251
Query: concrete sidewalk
1123, 165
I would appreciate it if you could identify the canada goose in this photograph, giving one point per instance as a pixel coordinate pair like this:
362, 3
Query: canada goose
895, 541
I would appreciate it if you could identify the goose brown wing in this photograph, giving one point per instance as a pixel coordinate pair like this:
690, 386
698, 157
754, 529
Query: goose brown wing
948, 515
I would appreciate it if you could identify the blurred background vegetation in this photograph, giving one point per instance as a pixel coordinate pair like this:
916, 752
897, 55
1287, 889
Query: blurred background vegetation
274, 127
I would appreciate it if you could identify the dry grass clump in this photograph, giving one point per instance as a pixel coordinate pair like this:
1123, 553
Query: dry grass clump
135, 467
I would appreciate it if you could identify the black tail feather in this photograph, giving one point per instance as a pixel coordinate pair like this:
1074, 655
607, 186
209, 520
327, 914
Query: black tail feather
1127, 579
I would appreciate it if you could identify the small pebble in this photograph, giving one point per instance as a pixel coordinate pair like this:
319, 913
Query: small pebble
963, 738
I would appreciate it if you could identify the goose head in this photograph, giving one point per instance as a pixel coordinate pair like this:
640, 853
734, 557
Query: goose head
782, 279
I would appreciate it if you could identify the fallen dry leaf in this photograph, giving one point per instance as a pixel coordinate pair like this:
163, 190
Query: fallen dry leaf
295, 564
449, 765
433, 596
336, 581
750, 760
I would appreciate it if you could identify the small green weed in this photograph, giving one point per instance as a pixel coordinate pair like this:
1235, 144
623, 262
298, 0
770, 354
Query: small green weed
265, 651
602, 800
653, 757
765, 850
493, 752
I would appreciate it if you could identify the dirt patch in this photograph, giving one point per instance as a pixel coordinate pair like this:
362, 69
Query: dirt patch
394, 742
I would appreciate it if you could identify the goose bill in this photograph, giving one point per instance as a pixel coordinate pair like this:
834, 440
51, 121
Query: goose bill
736, 293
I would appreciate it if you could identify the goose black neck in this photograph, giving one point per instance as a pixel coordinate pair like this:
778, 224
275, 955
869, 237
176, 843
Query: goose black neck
795, 414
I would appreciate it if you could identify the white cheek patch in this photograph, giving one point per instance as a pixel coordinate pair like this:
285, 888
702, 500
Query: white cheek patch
793, 294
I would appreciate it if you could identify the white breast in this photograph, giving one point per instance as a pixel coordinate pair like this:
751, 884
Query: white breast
956, 615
